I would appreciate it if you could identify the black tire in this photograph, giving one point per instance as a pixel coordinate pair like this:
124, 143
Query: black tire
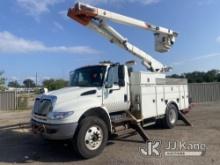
159, 123
86, 127
171, 116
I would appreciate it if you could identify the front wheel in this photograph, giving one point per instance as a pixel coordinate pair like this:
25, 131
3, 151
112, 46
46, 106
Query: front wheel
91, 137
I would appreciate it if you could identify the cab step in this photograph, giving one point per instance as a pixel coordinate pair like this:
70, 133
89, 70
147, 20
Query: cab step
127, 132
121, 121
129, 125
148, 124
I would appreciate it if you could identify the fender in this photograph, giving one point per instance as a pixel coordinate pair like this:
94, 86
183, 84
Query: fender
101, 112
174, 103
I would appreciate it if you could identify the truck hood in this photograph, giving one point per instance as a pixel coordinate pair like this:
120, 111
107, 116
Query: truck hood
73, 96
73, 91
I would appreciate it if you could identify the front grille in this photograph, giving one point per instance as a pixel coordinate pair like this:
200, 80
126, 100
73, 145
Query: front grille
42, 107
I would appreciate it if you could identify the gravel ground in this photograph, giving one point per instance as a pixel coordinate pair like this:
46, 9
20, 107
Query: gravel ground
19, 145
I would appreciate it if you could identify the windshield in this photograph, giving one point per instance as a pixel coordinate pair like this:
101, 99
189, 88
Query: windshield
91, 76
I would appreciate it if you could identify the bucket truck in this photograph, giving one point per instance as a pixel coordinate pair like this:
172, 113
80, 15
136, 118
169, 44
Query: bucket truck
110, 98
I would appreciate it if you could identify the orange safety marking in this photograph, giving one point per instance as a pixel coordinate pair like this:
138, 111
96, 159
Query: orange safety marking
83, 15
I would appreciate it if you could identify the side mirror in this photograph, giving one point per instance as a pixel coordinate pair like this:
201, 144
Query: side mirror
121, 76
107, 85
43, 91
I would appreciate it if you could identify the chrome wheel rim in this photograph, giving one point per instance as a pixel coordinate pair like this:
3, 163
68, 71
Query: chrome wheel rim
93, 137
172, 116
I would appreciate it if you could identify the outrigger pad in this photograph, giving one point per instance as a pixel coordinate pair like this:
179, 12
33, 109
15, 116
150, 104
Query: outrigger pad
140, 131
184, 119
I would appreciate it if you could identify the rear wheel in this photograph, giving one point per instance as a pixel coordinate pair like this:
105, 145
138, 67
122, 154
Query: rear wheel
171, 116
91, 137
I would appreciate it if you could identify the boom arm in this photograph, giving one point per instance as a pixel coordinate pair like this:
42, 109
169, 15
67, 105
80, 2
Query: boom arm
95, 18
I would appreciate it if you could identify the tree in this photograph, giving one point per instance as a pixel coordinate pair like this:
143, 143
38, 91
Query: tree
14, 84
212, 76
28, 83
2, 81
53, 84
176, 76
200, 77
218, 77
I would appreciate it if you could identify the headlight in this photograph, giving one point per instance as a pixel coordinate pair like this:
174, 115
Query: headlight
59, 115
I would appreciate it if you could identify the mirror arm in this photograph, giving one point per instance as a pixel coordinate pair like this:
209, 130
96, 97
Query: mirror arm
112, 90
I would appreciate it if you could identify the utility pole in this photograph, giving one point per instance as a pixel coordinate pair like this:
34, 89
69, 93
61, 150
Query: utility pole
36, 79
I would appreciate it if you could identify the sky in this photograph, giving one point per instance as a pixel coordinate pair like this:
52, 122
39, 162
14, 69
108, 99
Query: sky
36, 36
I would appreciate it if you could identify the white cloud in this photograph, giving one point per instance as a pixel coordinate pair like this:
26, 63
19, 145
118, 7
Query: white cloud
218, 39
205, 2
144, 2
13, 78
58, 25
45, 78
37, 7
148, 2
63, 13
207, 56
10, 43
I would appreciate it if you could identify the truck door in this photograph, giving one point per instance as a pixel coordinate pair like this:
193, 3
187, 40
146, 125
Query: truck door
115, 92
